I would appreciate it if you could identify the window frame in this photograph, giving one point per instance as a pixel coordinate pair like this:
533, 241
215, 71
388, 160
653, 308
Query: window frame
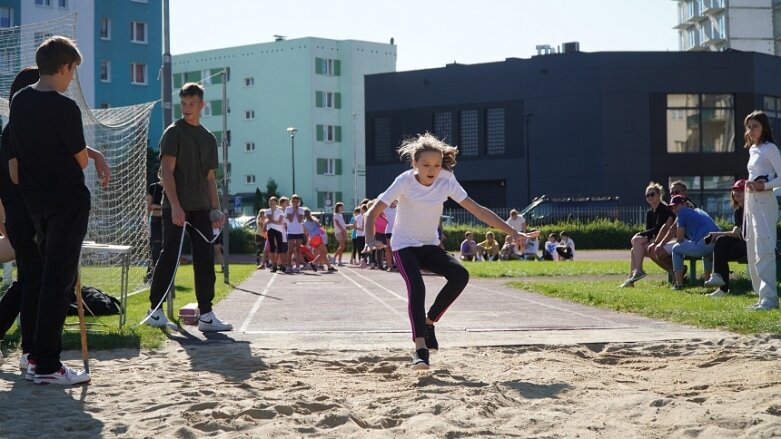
10, 16
107, 21
249, 82
249, 179
133, 32
108, 71
145, 73
249, 146
700, 108
43, 3
249, 114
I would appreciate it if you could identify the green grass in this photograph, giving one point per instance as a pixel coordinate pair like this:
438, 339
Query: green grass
652, 297
106, 333
552, 268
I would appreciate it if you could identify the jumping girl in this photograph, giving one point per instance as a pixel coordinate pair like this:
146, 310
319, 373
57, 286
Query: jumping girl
420, 192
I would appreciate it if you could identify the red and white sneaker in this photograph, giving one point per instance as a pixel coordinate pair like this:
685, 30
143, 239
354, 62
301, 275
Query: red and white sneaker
64, 377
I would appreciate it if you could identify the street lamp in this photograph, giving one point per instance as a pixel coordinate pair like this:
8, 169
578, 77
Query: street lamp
292, 131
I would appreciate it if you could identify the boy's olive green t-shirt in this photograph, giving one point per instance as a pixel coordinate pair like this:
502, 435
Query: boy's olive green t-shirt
195, 149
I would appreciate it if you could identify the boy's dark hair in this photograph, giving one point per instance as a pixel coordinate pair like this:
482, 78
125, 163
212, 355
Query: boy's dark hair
28, 76
191, 89
564, 233
56, 52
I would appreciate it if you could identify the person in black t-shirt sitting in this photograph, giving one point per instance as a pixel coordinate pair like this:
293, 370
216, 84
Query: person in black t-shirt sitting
658, 217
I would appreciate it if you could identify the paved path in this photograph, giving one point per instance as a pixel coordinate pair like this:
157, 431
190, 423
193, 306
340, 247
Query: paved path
361, 308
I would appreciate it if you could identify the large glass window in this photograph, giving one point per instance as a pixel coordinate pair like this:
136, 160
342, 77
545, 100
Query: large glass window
700, 123
6, 17
382, 139
494, 131
105, 29
710, 193
772, 107
468, 129
443, 126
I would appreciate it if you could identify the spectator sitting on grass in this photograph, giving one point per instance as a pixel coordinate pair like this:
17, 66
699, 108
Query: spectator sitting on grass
488, 249
549, 252
468, 247
508, 249
693, 226
566, 247
531, 248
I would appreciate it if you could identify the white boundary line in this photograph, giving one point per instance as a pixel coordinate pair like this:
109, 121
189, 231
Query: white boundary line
549, 306
393, 293
256, 306
390, 308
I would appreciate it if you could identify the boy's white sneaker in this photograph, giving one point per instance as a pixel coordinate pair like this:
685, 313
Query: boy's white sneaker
718, 293
209, 322
64, 377
157, 319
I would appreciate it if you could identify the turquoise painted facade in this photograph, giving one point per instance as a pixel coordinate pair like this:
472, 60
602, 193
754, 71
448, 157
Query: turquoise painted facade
113, 36
312, 84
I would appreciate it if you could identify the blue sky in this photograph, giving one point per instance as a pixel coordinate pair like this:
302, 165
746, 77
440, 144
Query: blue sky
431, 33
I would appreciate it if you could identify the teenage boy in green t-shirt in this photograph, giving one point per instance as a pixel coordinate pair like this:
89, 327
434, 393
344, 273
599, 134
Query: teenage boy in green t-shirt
188, 158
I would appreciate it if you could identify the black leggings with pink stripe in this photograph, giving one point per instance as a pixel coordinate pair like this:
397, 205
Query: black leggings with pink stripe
433, 258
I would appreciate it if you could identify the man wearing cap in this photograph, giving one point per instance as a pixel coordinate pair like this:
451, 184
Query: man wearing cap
693, 226
729, 246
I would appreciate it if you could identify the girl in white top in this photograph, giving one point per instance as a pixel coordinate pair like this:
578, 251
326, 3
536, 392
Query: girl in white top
421, 192
340, 232
761, 208
275, 223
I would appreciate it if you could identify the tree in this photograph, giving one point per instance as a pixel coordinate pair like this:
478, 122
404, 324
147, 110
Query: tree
271, 188
260, 200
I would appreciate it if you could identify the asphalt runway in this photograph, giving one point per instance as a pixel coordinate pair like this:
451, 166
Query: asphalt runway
364, 309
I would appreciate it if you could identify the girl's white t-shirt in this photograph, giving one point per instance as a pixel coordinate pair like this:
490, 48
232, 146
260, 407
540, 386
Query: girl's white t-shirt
296, 226
390, 213
338, 221
276, 215
359, 225
420, 207
765, 160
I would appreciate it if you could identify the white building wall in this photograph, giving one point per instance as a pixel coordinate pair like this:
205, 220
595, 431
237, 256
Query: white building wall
85, 35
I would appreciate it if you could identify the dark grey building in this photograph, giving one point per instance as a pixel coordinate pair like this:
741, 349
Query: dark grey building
579, 124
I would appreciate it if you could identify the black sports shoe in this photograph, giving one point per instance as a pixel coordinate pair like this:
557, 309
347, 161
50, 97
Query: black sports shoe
431, 338
420, 360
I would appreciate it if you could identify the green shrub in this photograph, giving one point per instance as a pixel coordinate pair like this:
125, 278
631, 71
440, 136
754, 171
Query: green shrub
601, 234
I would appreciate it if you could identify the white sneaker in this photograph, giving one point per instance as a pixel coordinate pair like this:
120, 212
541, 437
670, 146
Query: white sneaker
718, 293
64, 377
24, 361
715, 280
627, 284
29, 371
157, 319
210, 323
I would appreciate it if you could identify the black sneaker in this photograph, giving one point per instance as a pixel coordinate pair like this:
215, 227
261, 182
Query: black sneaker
431, 338
420, 360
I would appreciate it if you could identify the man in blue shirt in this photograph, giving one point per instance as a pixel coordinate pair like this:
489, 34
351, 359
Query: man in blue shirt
693, 226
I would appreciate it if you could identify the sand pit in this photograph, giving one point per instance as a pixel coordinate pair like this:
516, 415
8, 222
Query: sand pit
699, 388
